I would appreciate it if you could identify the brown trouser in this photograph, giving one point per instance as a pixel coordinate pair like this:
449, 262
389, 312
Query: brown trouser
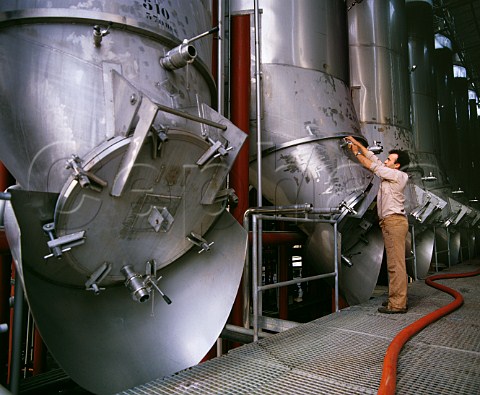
394, 230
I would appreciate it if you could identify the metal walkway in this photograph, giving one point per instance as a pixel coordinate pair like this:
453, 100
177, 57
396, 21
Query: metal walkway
343, 353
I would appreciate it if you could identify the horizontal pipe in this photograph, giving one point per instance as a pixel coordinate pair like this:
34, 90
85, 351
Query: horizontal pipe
295, 281
243, 331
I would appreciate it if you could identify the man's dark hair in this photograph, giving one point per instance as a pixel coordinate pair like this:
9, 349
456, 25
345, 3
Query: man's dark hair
403, 158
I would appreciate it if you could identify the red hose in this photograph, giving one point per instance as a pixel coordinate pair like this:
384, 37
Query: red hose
389, 373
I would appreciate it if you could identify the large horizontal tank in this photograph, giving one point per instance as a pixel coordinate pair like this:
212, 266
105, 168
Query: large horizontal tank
106, 124
306, 111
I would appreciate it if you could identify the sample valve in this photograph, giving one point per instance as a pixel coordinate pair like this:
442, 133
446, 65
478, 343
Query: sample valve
99, 33
183, 54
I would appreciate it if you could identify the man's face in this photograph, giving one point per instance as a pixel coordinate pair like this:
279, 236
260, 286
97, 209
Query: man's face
391, 161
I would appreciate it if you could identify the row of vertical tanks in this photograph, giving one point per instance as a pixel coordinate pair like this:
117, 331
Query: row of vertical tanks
120, 160
107, 126
317, 86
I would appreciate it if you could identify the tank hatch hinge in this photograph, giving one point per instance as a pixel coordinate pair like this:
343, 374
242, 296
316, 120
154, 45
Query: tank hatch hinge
215, 150
85, 178
97, 276
199, 241
59, 245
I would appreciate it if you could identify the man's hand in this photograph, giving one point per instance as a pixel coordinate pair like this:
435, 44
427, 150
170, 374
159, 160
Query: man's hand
359, 151
355, 145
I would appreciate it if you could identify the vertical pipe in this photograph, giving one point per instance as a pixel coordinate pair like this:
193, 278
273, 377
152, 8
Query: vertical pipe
220, 57
247, 288
335, 257
473, 140
283, 260
448, 248
39, 350
443, 65
17, 329
414, 248
240, 116
258, 106
255, 276
218, 70
5, 276
460, 92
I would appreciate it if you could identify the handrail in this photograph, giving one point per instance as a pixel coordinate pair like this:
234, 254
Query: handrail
259, 214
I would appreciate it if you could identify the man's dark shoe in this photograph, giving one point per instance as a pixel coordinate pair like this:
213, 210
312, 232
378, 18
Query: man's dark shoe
385, 304
386, 310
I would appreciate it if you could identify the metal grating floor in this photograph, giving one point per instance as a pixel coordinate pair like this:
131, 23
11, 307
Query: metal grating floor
343, 353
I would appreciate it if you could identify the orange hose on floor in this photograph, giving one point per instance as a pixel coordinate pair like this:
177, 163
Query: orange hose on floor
389, 373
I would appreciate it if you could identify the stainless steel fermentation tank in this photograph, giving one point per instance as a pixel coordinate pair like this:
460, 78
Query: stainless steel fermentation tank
377, 39
386, 36
306, 110
107, 126
432, 115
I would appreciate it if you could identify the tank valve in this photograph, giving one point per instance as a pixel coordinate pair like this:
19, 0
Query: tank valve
142, 287
135, 284
430, 177
179, 57
458, 191
99, 33
345, 143
183, 54
376, 148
